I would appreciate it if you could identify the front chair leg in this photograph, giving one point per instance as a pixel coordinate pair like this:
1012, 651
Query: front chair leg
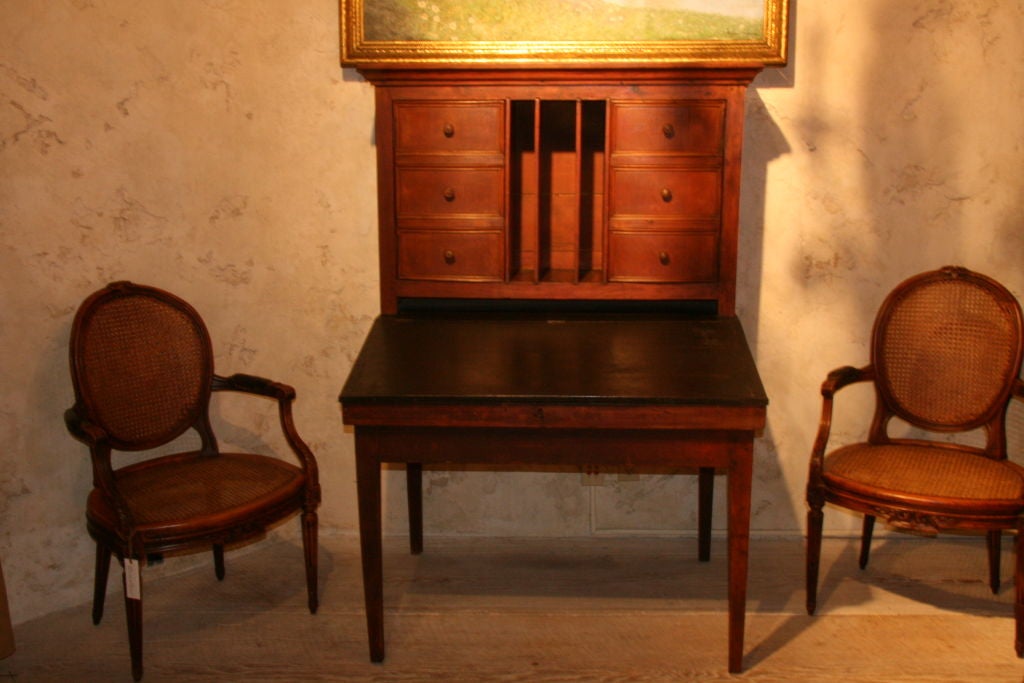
1018, 579
99, 593
309, 547
815, 519
132, 577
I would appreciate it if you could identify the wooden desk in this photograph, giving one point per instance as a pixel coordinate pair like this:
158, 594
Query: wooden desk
586, 391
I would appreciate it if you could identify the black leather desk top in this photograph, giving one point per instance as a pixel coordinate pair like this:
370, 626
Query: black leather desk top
563, 360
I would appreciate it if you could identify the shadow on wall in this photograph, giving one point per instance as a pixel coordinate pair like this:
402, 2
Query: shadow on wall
905, 178
897, 162
764, 142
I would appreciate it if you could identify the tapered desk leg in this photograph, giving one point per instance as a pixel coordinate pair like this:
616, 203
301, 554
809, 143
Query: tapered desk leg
705, 499
368, 488
414, 496
740, 475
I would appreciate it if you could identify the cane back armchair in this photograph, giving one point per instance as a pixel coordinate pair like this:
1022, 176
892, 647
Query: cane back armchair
945, 359
142, 370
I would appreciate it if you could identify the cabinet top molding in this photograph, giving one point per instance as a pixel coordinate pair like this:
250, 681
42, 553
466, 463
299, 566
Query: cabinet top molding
552, 33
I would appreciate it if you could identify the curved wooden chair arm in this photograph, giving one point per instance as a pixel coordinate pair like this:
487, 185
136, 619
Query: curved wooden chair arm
102, 470
251, 384
843, 377
83, 430
836, 380
285, 395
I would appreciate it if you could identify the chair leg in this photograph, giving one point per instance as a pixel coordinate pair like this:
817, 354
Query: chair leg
132, 579
994, 539
99, 592
1018, 580
705, 498
865, 540
218, 561
309, 547
815, 519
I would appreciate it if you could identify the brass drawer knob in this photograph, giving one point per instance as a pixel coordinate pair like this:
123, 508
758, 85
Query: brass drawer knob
669, 130
449, 194
449, 256
663, 258
449, 130
666, 195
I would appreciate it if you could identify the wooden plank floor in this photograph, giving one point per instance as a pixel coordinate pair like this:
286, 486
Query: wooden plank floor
599, 609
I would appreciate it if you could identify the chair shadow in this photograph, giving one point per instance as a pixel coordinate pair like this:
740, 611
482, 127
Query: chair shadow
906, 568
265, 575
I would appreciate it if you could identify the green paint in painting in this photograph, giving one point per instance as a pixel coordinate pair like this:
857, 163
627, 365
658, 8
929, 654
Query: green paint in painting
563, 20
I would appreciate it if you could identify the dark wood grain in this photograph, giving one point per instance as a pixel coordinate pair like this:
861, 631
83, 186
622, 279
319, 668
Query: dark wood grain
588, 361
513, 391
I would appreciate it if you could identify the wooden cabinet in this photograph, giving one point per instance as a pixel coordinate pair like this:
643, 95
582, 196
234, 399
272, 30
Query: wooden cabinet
582, 189
561, 185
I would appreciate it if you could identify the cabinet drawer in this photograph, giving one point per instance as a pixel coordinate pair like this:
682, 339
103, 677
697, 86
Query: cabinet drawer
668, 127
473, 195
449, 127
438, 255
661, 193
662, 257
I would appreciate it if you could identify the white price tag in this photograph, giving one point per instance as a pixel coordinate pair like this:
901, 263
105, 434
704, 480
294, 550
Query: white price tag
132, 579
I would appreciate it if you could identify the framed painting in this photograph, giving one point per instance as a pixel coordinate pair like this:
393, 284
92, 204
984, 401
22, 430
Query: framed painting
439, 33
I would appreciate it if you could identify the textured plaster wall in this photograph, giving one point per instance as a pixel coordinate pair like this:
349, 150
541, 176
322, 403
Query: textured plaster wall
216, 149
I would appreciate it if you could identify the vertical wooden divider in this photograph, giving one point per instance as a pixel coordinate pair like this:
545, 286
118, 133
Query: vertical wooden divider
578, 173
538, 265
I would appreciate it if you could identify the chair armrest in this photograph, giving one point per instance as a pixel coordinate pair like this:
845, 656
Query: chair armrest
285, 395
843, 377
251, 384
103, 478
836, 380
83, 430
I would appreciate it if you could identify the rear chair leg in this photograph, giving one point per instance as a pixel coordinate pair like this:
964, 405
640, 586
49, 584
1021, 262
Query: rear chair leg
99, 593
218, 561
865, 540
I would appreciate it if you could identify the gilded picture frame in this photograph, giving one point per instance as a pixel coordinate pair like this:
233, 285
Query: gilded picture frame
467, 33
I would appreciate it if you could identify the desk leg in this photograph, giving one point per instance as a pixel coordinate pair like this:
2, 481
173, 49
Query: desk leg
705, 499
740, 475
368, 487
414, 496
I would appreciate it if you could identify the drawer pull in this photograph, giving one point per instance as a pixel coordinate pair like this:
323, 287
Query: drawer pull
449, 256
449, 194
449, 130
666, 195
669, 130
663, 258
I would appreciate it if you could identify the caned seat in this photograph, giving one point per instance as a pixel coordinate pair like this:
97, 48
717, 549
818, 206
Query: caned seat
946, 360
142, 369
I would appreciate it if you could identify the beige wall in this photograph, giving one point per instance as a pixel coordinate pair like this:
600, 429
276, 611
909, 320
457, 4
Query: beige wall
215, 148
